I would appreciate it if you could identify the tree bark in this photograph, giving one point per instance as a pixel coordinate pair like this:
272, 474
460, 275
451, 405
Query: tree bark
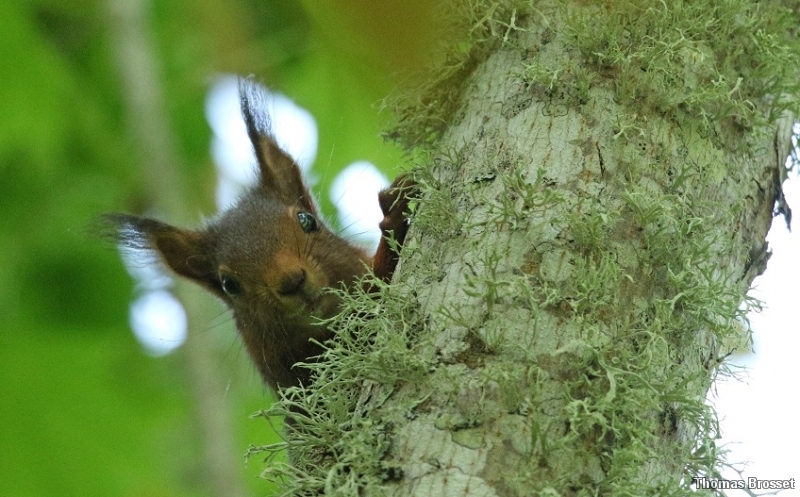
574, 278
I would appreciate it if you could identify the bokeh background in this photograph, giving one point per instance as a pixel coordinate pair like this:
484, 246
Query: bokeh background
102, 109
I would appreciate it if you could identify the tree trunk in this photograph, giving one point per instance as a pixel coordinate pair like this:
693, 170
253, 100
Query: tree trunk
592, 215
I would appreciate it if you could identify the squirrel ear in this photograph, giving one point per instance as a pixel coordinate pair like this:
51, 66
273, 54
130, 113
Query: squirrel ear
187, 253
279, 174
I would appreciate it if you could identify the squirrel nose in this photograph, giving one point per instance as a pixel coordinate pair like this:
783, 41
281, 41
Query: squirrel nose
292, 282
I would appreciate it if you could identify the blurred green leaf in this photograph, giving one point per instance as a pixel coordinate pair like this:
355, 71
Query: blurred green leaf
83, 411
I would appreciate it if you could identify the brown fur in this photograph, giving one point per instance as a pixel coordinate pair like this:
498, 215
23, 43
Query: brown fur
269, 267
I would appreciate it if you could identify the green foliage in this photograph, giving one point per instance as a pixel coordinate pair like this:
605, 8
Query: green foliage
89, 414
84, 411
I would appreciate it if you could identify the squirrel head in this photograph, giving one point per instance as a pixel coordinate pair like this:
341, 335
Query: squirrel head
270, 258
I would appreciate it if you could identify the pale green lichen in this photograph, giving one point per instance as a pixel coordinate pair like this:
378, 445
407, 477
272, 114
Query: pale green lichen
731, 63
471, 30
332, 446
645, 320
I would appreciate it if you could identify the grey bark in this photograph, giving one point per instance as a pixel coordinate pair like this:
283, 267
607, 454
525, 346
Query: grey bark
575, 273
578, 270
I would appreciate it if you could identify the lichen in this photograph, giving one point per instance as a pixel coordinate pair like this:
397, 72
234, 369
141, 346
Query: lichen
624, 260
471, 30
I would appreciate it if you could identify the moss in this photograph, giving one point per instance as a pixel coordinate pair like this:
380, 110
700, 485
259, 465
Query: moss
631, 275
471, 31
333, 447
731, 64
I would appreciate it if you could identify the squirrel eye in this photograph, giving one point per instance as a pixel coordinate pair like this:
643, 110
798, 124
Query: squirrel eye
307, 222
231, 286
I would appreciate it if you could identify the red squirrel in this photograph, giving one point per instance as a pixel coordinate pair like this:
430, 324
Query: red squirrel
270, 258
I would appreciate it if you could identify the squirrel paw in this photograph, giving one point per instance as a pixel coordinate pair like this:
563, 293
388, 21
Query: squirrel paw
394, 202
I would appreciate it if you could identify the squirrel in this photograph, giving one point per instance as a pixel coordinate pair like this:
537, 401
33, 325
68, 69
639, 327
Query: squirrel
270, 258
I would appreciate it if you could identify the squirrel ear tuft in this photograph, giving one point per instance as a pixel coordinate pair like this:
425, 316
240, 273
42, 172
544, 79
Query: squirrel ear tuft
279, 174
187, 253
